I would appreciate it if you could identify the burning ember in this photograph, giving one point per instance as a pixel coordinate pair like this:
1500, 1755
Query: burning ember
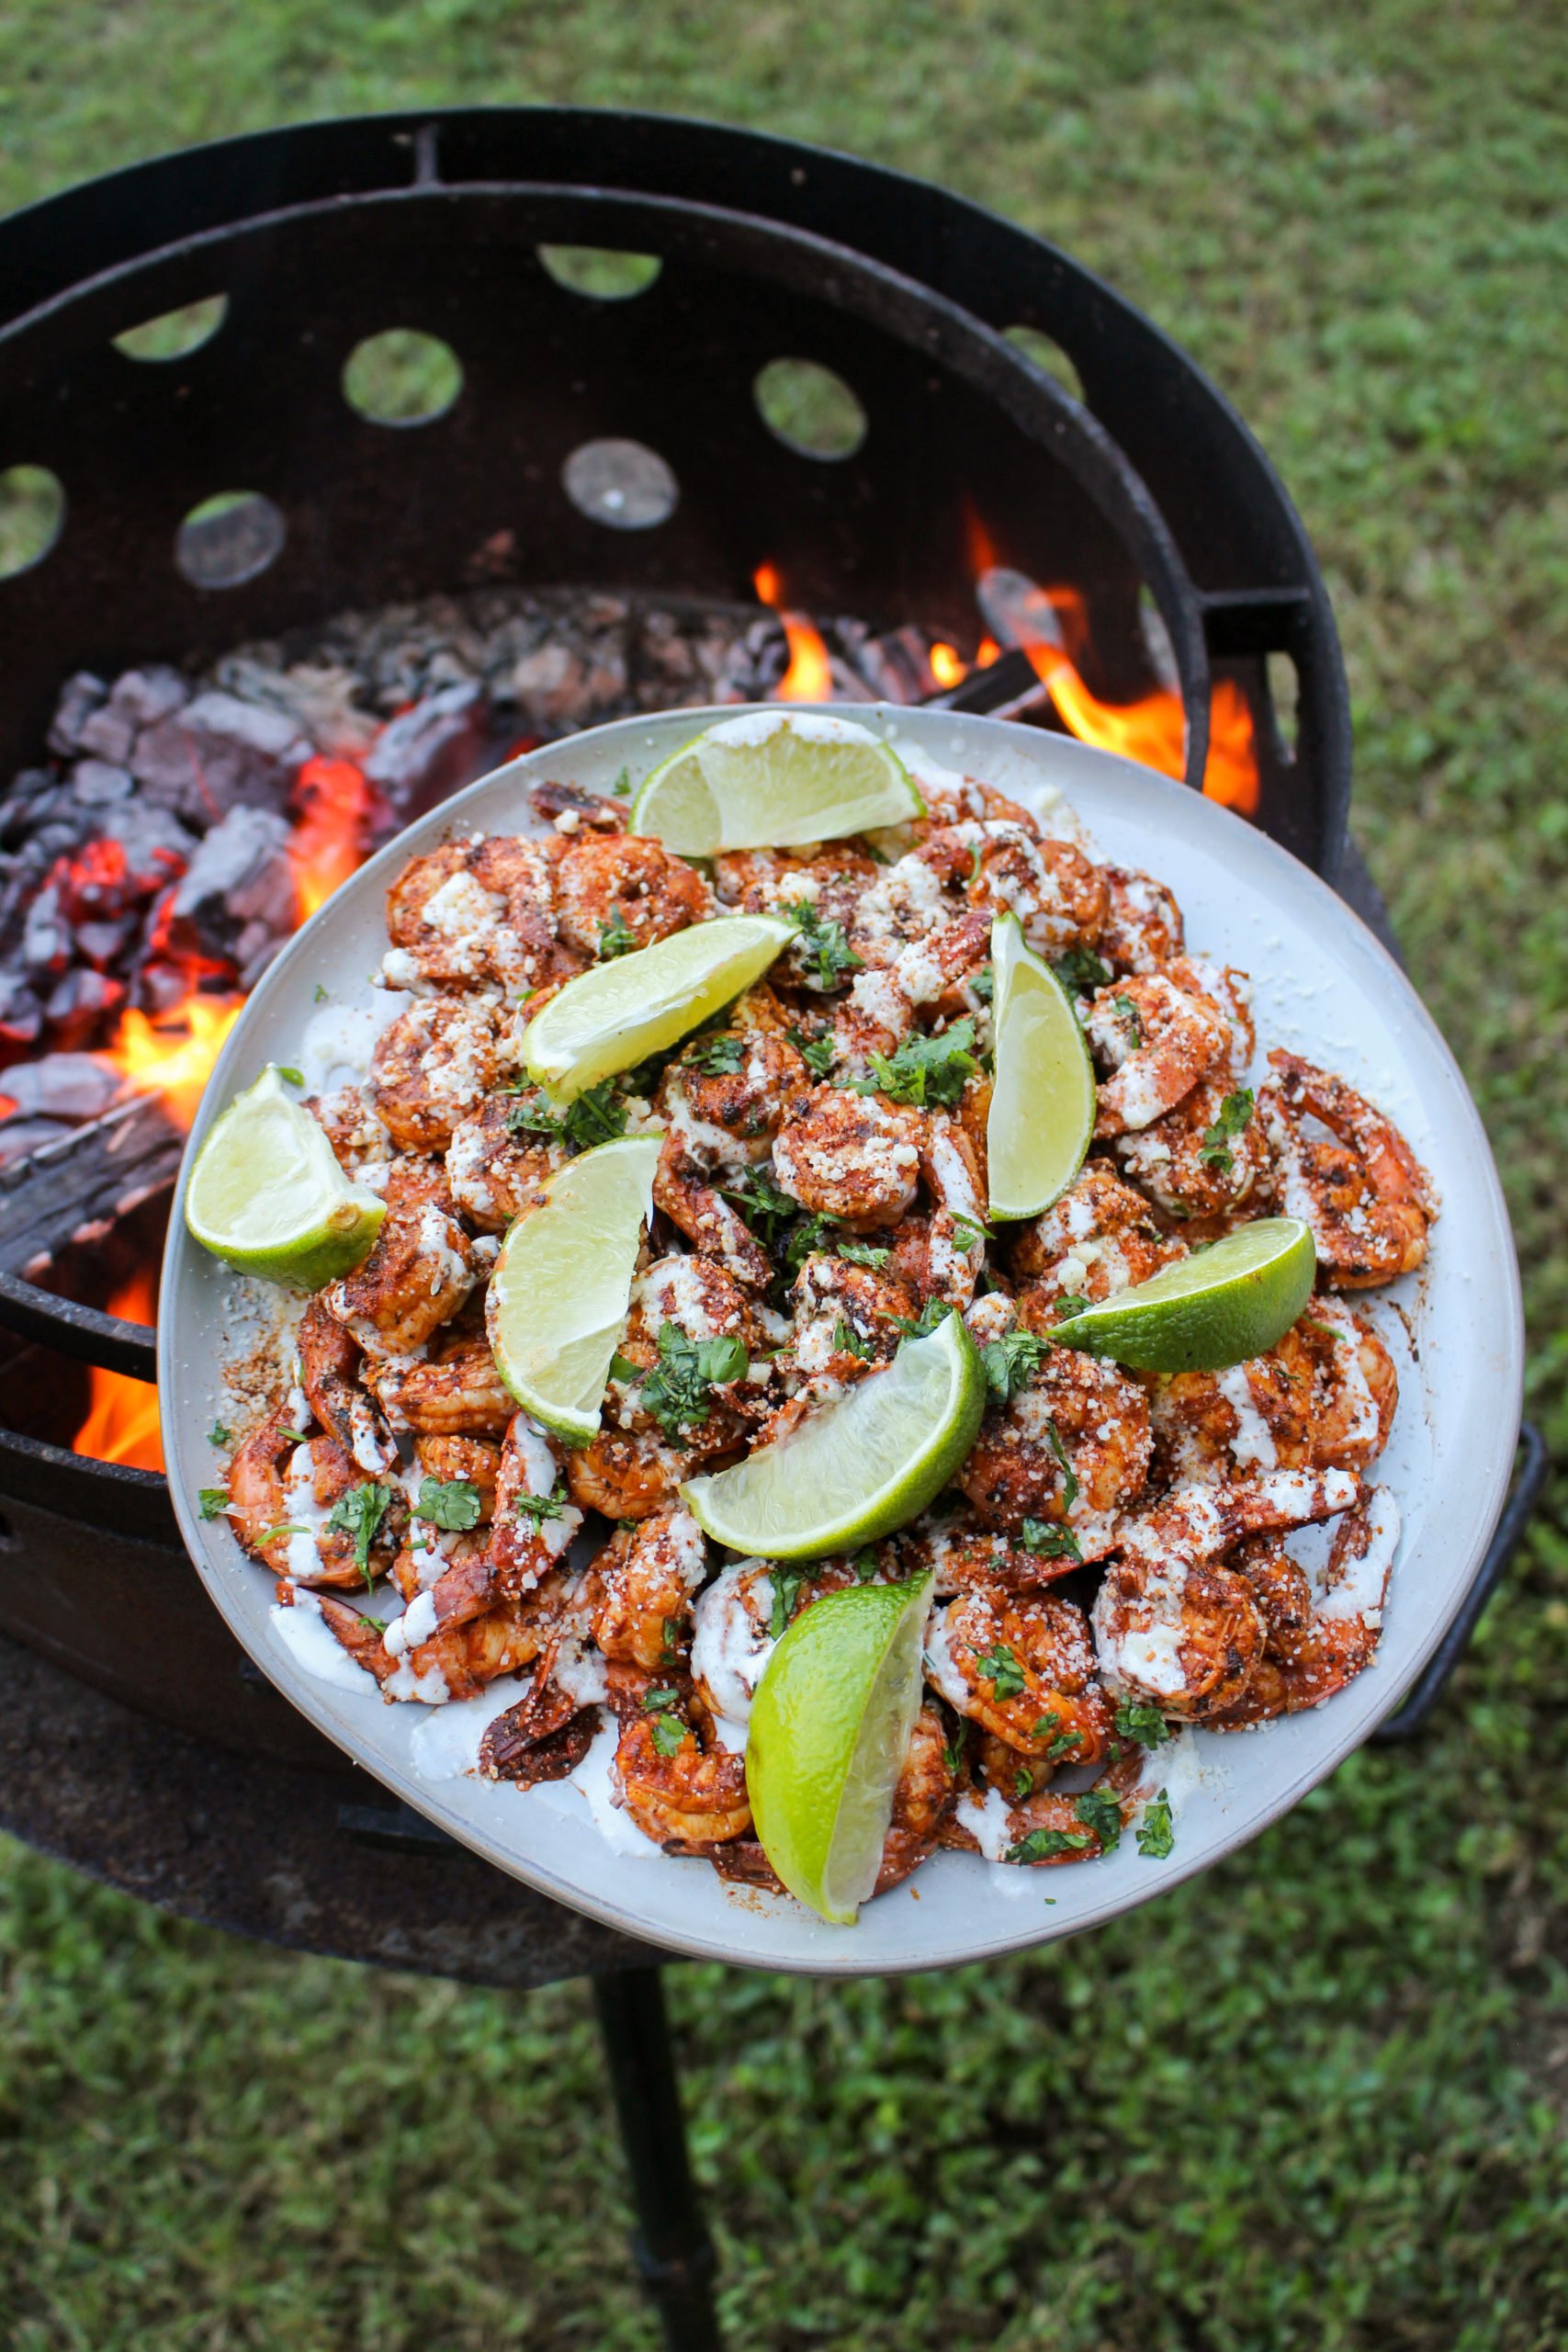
122, 1418
173, 1055
335, 807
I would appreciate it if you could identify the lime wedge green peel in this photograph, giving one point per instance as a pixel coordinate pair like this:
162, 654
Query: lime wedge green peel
830, 1732
855, 1469
1222, 1305
267, 1193
557, 1307
613, 1015
1042, 1099
772, 778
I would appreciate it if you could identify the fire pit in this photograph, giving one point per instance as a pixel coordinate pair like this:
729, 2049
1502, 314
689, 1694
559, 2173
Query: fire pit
474, 430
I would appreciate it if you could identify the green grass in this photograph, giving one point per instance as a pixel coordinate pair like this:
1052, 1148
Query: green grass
1316, 2099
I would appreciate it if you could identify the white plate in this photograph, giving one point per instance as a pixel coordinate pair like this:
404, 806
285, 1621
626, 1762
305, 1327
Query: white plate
1325, 988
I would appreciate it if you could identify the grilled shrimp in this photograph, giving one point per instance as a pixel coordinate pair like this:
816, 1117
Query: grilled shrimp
1158, 1038
732, 1638
1097, 1238
1143, 925
676, 1782
852, 1157
1058, 896
417, 1274
476, 1461
1174, 1622
645, 1580
329, 1369
766, 881
280, 1508
963, 1553
922, 1800
455, 1393
362, 1145
528, 1540
457, 1660
936, 971
495, 1171
1368, 1201
433, 1067
1322, 1397
720, 1122
846, 1316
1021, 1665
1314, 1641
627, 1474
1204, 1157
1075, 1426
612, 885
477, 912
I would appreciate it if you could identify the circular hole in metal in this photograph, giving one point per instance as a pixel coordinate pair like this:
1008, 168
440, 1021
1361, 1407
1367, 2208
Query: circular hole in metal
174, 333
600, 272
229, 539
32, 511
401, 377
621, 483
810, 409
1043, 352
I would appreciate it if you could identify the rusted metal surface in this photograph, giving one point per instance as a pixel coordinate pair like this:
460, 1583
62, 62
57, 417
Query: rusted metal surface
257, 1846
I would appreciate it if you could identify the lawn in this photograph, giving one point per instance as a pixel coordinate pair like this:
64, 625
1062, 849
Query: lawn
1316, 2098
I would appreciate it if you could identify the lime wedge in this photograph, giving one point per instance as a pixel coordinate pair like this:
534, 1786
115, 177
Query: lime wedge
613, 1015
267, 1193
772, 778
1222, 1305
1042, 1099
858, 1468
830, 1732
557, 1298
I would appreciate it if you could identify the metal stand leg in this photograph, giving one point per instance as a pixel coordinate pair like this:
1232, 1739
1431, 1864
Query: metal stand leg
674, 2254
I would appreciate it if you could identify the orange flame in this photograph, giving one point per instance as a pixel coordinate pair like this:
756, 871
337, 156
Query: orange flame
1047, 622
810, 677
327, 845
173, 1055
948, 665
122, 1414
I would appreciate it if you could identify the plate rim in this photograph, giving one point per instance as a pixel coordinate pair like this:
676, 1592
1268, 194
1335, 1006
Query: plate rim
301, 1690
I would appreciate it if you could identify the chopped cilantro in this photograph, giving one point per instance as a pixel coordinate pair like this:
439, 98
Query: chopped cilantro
848, 1338
1049, 1543
359, 1513
1157, 1838
212, 1501
658, 1702
622, 1368
617, 936
1024, 1782
934, 1313
1234, 1115
283, 1527
1070, 1302
721, 1056
817, 1053
217, 1434
294, 1437
1135, 1719
765, 1208
452, 1503
1131, 1022
321, 993
822, 945
1044, 1844
668, 1734
786, 1583
968, 1229
1080, 971
1100, 1812
952, 1751
295, 1077
621, 788
1064, 1744
597, 1116
1324, 1330
1070, 1488
674, 1392
867, 1565
1009, 1362
1002, 1670
925, 1069
861, 1254
983, 984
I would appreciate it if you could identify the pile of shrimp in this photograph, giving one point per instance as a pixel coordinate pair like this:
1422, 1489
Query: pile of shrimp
1120, 1555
